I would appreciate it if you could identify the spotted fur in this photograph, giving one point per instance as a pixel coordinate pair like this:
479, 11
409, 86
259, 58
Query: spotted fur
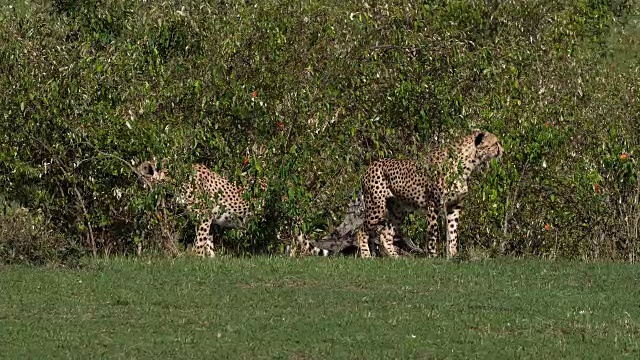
304, 247
216, 203
394, 188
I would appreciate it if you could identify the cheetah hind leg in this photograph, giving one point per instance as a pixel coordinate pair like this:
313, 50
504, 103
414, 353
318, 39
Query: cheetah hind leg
204, 248
386, 240
404, 243
453, 216
433, 232
362, 236
397, 214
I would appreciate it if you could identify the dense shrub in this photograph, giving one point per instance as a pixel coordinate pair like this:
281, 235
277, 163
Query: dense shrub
308, 94
26, 238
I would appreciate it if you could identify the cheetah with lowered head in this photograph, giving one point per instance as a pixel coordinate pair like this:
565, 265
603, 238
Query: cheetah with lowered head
212, 199
394, 188
216, 203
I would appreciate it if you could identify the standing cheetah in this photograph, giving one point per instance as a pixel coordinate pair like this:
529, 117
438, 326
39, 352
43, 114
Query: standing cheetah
394, 188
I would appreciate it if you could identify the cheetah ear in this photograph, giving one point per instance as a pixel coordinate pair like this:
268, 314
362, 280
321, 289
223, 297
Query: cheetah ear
479, 138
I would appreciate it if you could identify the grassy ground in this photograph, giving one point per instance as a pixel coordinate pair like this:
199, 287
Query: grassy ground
319, 308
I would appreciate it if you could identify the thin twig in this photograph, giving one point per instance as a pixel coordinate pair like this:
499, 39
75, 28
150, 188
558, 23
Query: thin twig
395, 47
133, 169
508, 211
170, 241
86, 214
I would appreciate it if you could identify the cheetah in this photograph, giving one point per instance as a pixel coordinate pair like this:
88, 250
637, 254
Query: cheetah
216, 203
394, 188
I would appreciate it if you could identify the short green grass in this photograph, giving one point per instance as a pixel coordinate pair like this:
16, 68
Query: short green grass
321, 308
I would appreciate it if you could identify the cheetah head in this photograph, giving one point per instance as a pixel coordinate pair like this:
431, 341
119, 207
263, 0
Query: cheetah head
487, 146
150, 173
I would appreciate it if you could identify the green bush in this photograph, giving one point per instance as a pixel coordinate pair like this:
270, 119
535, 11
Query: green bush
25, 238
309, 93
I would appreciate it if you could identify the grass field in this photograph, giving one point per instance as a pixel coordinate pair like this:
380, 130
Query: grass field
318, 308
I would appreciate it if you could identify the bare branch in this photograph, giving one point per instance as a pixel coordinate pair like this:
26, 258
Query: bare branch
86, 214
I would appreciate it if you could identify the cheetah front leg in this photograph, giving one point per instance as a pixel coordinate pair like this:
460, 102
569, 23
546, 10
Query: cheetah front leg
453, 218
204, 243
